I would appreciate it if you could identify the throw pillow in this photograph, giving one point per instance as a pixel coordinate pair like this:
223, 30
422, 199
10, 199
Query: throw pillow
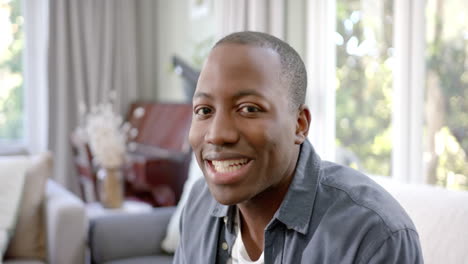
171, 241
28, 240
3, 242
12, 172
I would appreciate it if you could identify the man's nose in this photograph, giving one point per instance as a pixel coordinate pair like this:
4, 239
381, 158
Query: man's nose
222, 130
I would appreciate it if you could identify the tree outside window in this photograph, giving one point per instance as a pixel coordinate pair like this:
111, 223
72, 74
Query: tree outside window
364, 52
364, 40
11, 80
446, 100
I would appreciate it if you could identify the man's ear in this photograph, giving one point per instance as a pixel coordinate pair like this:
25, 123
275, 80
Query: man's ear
302, 124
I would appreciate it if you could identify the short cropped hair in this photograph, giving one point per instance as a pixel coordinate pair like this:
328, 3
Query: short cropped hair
293, 70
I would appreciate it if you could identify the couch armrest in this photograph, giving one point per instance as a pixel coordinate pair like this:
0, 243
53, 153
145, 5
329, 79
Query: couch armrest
128, 235
66, 226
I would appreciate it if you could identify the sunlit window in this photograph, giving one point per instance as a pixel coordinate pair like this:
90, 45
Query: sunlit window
446, 100
11, 80
364, 84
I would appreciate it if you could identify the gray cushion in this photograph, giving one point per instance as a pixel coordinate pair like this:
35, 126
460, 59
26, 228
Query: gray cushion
162, 259
23, 261
128, 236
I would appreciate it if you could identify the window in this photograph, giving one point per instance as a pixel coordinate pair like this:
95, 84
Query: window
398, 89
12, 129
364, 39
446, 94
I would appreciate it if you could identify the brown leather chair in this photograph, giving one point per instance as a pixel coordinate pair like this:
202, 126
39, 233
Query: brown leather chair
158, 158
160, 153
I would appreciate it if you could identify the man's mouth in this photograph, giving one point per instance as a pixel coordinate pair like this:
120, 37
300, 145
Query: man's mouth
224, 166
227, 171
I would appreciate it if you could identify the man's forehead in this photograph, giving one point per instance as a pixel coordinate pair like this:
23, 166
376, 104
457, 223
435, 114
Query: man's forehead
239, 70
241, 52
239, 61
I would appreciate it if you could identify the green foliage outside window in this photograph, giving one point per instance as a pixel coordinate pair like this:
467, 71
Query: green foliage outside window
364, 88
11, 81
446, 124
364, 83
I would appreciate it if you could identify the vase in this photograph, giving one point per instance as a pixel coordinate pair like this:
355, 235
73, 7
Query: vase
111, 190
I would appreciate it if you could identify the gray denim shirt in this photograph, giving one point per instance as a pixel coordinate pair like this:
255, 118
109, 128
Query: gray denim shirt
330, 214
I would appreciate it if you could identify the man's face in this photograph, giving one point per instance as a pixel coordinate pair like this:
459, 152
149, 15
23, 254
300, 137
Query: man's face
243, 130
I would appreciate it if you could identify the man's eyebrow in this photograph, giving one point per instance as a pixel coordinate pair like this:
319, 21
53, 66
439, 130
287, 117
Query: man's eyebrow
249, 92
202, 94
240, 94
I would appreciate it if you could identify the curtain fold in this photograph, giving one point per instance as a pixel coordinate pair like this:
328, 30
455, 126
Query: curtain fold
94, 47
260, 15
34, 74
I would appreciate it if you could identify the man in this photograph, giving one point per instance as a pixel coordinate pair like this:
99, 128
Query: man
267, 197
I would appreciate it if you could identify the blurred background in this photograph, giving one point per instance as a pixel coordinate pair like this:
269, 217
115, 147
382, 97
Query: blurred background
388, 79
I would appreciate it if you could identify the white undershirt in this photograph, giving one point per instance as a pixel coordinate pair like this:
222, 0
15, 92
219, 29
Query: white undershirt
239, 254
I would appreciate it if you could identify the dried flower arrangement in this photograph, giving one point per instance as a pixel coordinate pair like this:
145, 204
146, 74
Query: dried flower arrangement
106, 133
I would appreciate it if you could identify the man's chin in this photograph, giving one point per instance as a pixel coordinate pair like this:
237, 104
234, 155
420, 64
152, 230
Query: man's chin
226, 202
226, 197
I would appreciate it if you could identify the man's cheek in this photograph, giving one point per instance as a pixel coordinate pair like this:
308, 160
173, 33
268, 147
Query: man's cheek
194, 135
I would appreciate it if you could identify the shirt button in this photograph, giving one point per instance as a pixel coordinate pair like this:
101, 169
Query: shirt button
224, 246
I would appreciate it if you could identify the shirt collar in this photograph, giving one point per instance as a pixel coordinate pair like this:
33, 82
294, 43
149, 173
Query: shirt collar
297, 205
296, 209
224, 211
219, 210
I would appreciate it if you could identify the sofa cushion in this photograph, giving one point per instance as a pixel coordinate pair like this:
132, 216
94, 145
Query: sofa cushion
125, 236
22, 261
3, 242
28, 240
12, 174
440, 217
161, 259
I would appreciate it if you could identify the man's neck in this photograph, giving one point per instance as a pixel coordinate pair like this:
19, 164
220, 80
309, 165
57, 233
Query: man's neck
255, 215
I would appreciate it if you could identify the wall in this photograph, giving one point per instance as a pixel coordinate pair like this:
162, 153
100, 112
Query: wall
172, 31
296, 26
178, 32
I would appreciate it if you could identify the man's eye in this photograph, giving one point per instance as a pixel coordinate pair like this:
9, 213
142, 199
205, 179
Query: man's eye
250, 109
203, 111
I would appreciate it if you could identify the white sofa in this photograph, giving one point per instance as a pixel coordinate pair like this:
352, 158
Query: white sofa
440, 216
66, 225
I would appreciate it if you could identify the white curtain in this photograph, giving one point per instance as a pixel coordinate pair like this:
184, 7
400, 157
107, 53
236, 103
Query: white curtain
95, 46
35, 74
259, 15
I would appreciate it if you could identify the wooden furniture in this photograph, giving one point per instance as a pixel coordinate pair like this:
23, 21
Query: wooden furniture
160, 154
158, 158
82, 158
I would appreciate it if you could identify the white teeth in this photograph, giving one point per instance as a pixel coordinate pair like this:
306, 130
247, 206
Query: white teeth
228, 165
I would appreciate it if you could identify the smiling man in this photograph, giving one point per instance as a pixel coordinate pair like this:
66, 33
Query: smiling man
266, 196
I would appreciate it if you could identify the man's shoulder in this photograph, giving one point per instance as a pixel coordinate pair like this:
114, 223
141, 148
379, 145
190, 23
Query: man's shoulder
199, 199
359, 190
196, 212
199, 185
